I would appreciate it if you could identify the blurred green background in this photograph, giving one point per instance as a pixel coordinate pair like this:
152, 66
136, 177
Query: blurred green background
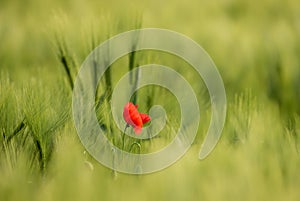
254, 44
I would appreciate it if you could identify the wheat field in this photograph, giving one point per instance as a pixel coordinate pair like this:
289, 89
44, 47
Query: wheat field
255, 46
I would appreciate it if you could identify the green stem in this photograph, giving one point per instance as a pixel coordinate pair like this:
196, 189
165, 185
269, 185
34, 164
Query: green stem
123, 137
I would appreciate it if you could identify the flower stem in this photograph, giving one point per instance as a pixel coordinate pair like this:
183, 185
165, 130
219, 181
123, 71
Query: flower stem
123, 137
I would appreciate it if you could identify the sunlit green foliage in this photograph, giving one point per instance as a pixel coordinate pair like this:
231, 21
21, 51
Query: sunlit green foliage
256, 47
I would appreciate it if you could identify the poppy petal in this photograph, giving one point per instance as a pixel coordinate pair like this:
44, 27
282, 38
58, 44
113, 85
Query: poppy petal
145, 118
137, 130
132, 116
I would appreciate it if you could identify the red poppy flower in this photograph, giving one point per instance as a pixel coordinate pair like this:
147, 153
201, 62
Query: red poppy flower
134, 118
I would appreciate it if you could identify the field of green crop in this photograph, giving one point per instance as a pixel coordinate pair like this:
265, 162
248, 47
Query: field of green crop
254, 44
